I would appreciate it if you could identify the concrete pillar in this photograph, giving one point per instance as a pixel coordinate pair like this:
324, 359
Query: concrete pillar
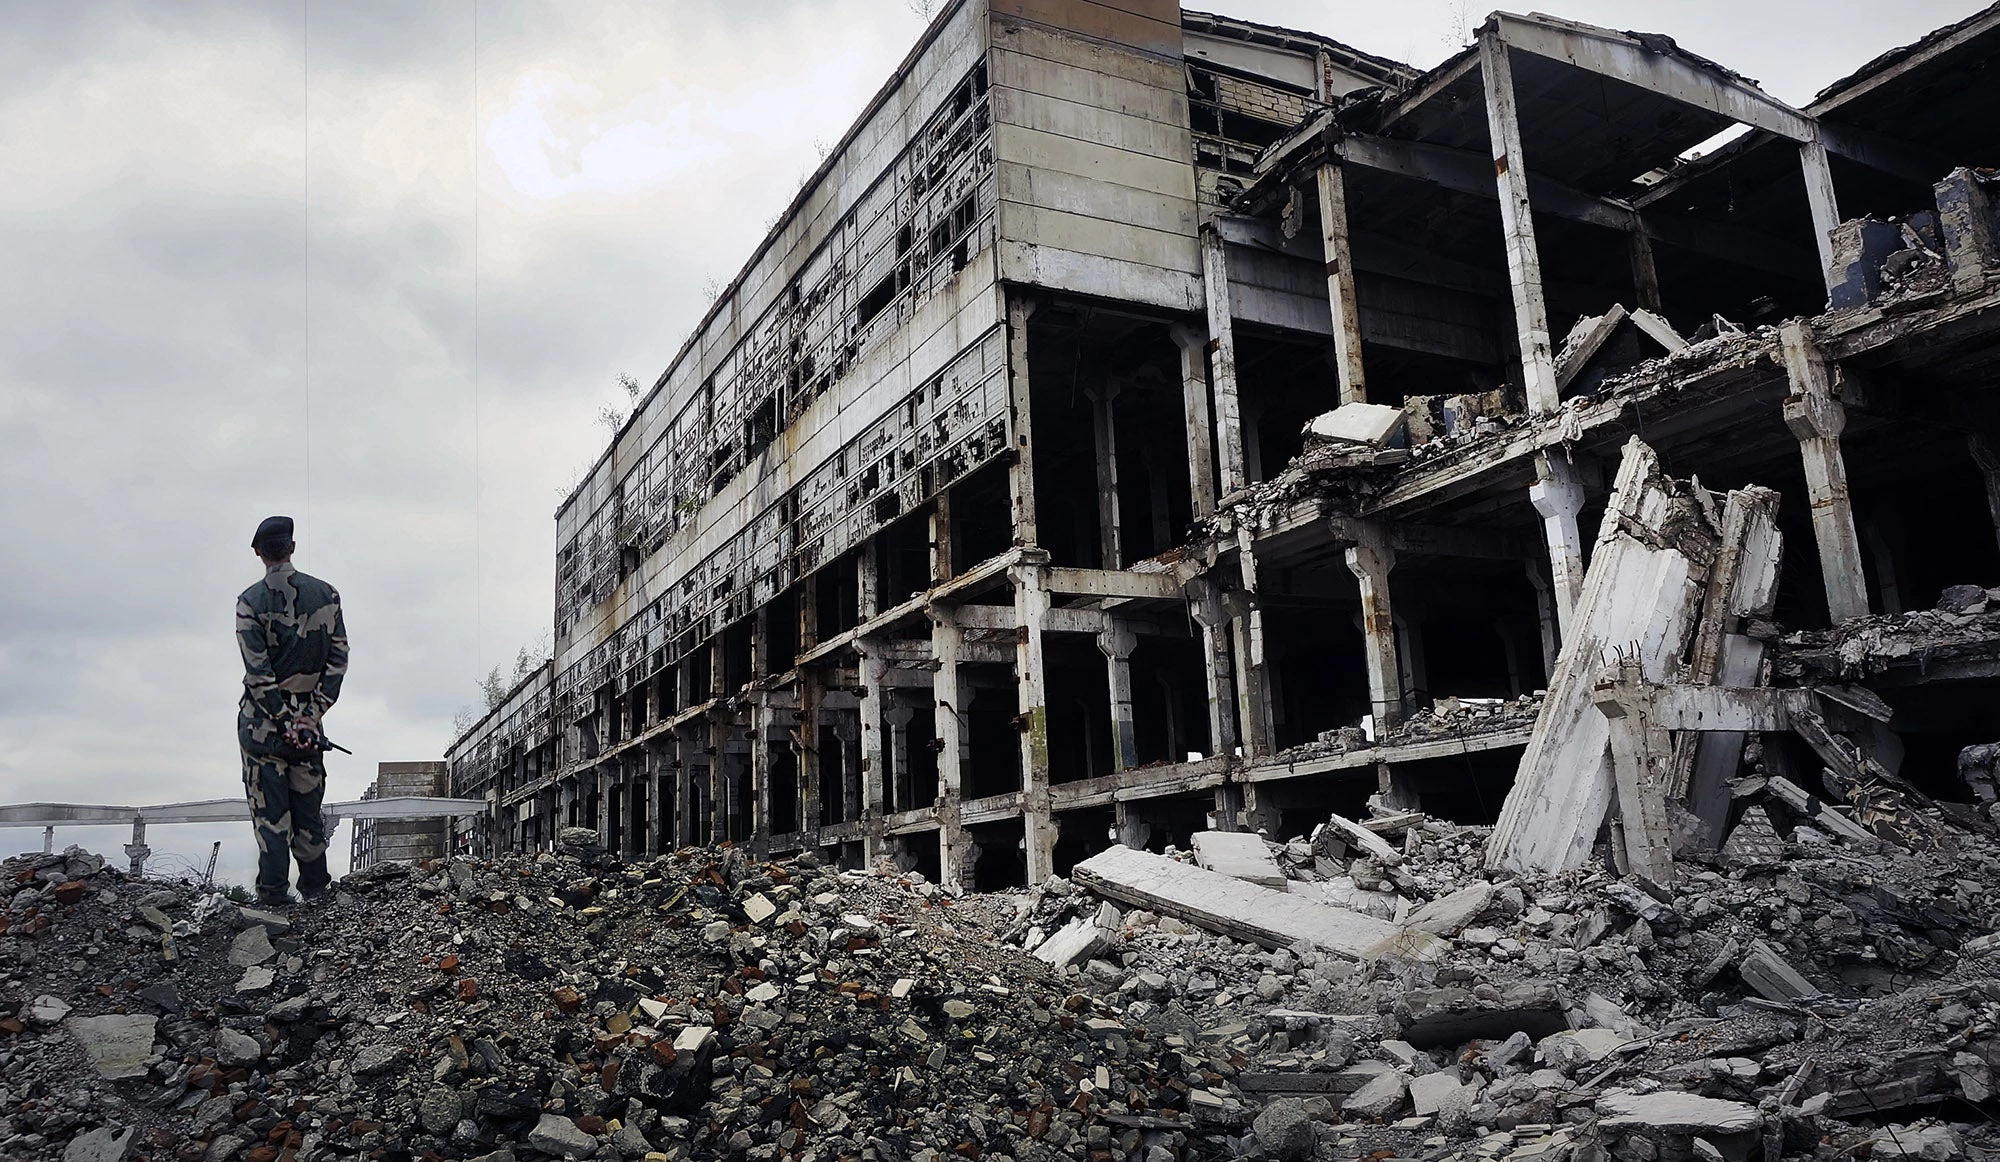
1213, 621
874, 790
896, 717
604, 781
1352, 383
1820, 200
1253, 695
1200, 432
1645, 275
1817, 417
1131, 828
853, 796
954, 847
1524, 264
939, 525
1104, 429
1116, 644
1021, 474
1222, 349
1410, 651
1545, 614
762, 723
804, 744
1370, 559
1557, 495
721, 802
1031, 608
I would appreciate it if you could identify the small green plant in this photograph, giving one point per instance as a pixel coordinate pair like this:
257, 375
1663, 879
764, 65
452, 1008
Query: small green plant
237, 893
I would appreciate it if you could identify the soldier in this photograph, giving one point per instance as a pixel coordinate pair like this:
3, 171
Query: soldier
294, 655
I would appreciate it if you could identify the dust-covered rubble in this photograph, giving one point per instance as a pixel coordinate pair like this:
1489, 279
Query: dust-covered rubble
707, 1004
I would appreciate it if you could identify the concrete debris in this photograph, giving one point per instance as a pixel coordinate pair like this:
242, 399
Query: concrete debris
1227, 905
1563, 1011
1372, 424
1239, 854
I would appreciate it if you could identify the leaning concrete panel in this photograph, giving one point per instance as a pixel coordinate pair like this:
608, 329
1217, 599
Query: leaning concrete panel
1643, 590
1229, 906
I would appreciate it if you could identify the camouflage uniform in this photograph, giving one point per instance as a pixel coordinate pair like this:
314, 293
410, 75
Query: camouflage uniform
294, 654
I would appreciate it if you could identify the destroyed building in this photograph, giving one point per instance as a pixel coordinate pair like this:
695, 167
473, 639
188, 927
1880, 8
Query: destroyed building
1148, 420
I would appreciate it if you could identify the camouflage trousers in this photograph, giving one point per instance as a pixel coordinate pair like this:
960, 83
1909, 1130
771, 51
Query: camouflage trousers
285, 797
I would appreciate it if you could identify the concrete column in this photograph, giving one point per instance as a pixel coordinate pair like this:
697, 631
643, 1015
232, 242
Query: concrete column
1104, 428
1200, 432
1021, 474
1817, 417
1031, 608
874, 790
1524, 265
1116, 644
805, 746
1545, 614
853, 796
1213, 620
867, 587
954, 847
1820, 200
1410, 651
1370, 559
896, 716
1131, 828
1985, 451
1222, 349
762, 722
1557, 495
1340, 285
939, 522
604, 781
721, 802
1645, 275
1253, 695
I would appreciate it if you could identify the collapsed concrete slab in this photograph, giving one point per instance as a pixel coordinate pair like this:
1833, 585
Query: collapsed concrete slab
1240, 854
1226, 905
1642, 590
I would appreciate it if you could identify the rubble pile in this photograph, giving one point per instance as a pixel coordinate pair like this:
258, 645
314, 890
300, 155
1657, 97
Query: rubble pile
1796, 996
1448, 717
703, 1005
1799, 995
1964, 623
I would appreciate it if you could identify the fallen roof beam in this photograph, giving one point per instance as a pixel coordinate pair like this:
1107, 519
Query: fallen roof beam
1623, 58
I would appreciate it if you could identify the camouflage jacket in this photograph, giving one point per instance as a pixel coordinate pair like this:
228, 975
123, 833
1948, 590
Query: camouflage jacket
294, 654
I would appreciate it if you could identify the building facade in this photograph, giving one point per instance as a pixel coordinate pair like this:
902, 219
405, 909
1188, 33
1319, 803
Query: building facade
978, 524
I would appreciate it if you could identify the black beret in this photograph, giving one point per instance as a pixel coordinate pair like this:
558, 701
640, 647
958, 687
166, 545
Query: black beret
274, 533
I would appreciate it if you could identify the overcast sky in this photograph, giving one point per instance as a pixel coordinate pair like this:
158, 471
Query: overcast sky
239, 245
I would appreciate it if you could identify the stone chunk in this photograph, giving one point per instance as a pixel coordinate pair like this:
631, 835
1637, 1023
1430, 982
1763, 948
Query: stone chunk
1767, 972
1073, 943
252, 946
1677, 1113
1429, 1093
118, 1046
1372, 424
559, 1136
1454, 1015
1449, 914
1380, 1098
99, 1145
1285, 1130
256, 979
759, 908
234, 1049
